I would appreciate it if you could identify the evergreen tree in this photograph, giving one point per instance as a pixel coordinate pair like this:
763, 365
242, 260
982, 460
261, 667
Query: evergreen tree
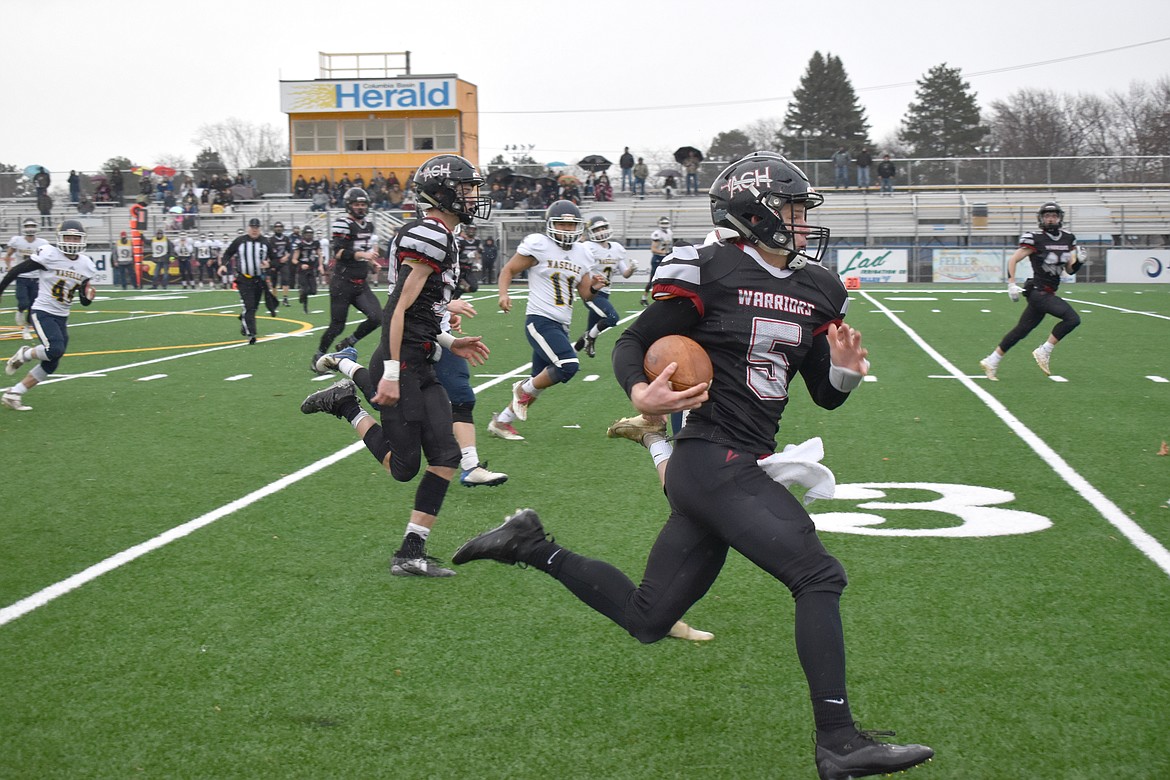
207, 163
730, 146
824, 113
115, 164
943, 120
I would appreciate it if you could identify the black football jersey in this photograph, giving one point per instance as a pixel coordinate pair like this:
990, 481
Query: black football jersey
1050, 256
349, 234
758, 324
426, 241
281, 245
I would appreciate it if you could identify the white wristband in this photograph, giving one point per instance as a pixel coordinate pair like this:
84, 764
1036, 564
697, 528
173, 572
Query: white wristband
445, 339
390, 370
845, 379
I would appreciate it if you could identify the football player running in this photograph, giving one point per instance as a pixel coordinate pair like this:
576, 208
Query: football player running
609, 256
765, 311
559, 268
25, 245
354, 247
64, 274
1052, 251
416, 417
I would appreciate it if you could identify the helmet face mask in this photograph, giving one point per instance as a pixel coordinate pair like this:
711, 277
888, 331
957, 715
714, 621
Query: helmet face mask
664, 223
71, 237
558, 214
450, 183
599, 229
1050, 208
357, 203
763, 197
30, 227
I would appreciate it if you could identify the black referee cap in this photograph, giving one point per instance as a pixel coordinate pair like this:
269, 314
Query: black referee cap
253, 222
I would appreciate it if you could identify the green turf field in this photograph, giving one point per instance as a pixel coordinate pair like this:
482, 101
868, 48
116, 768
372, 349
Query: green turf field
194, 581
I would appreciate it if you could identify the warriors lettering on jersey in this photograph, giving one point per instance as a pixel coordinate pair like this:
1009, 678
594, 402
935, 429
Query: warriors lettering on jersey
552, 282
60, 279
1050, 255
736, 292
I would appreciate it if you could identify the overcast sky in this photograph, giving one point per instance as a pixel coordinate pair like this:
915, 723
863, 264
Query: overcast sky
84, 81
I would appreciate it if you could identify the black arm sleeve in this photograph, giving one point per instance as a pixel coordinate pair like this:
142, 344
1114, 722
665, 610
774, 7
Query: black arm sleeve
815, 370
85, 300
673, 315
17, 270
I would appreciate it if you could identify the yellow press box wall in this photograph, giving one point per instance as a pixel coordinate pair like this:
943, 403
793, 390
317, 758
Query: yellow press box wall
352, 126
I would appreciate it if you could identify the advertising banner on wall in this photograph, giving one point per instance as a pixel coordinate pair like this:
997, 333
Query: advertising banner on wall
1138, 266
969, 266
874, 266
394, 94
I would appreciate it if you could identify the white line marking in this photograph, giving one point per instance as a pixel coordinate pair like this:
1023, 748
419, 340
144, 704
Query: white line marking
237, 377
1159, 379
1146, 544
149, 378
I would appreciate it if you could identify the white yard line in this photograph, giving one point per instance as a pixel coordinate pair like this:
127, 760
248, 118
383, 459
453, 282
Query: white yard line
1148, 545
44, 596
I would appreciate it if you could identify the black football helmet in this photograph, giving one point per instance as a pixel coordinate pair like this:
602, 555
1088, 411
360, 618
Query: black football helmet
563, 211
71, 237
749, 196
278, 228
599, 229
451, 183
1050, 207
357, 202
307, 232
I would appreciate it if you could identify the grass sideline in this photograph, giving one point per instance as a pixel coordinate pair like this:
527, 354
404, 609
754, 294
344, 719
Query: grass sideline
272, 642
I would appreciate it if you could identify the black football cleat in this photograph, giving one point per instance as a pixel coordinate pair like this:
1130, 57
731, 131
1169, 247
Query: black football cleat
863, 756
579, 344
327, 400
506, 543
345, 343
590, 347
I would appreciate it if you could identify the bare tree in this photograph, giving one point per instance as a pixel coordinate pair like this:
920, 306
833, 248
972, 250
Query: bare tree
242, 144
765, 133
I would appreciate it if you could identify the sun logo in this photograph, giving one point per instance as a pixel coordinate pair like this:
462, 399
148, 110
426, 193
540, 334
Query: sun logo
313, 96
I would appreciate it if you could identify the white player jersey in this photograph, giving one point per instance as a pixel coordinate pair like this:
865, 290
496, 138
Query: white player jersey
666, 237
608, 260
184, 247
203, 250
61, 280
552, 282
24, 250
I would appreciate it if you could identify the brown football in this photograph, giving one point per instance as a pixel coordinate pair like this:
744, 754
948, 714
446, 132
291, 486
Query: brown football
694, 366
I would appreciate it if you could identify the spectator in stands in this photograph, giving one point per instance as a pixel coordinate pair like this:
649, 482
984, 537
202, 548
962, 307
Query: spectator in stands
669, 185
626, 163
116, 186
345, 182
85, 205
886, 172
863, 161
103, 194
300, 187
41, 181
74, 187
392, 181
641, 172
320, 201
841, 168
45, 207
691, 165
603, 190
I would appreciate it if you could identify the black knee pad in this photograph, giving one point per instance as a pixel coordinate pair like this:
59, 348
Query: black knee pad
461, 413
432, 489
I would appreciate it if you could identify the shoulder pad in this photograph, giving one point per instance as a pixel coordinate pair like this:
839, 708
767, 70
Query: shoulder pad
536, 245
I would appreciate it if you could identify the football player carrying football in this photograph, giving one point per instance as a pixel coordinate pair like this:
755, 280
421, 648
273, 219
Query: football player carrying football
765, 310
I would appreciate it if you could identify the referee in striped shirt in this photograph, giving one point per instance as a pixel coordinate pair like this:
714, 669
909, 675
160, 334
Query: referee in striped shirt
248, 255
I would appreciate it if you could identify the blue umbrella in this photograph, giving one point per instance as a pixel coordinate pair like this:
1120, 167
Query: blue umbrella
557, 164
33, 170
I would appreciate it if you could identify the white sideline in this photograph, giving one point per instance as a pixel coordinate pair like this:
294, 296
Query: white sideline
1144, 542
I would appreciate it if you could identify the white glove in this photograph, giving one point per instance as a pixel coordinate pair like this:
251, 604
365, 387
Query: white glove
1013, 291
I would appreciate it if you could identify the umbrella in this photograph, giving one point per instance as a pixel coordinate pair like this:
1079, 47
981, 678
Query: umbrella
99, 178
33, 170
567, 179
163, 170
176, 209
557, 164
683, 152
595, 163
547, 182
669, 172
500, 176
521, 180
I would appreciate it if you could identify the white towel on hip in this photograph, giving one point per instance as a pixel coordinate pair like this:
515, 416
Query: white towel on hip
800, 464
